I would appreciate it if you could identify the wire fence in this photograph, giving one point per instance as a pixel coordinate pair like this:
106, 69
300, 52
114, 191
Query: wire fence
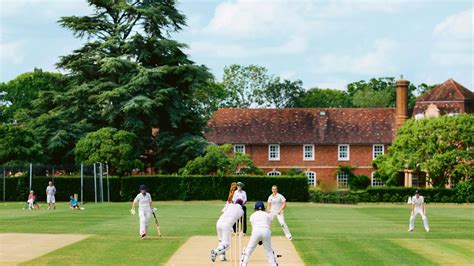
88, 182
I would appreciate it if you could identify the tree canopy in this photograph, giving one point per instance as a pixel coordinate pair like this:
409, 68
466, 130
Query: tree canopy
440, 146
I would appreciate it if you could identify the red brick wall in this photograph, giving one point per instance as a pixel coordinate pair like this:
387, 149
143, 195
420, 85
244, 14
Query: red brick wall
325, 163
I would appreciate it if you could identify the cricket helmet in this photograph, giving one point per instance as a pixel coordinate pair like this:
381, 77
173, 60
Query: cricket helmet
259, 206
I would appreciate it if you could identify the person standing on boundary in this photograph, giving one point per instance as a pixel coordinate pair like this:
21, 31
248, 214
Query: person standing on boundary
145, 208
242, 195
50, 192
418, 207
276, 207
230, 214
261, 234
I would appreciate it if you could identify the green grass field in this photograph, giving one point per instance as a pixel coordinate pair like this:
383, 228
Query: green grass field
363, 234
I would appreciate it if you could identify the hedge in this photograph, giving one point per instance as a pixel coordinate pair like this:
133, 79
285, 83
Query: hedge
17, 187
388, 194
164, 187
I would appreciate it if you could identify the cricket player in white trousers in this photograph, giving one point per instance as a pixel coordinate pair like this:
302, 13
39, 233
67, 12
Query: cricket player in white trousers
261, 234
145, 209
418, 207
230, 214
276, 207
50, 192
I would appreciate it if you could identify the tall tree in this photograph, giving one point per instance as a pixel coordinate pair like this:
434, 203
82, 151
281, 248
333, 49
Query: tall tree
440, 146
323, 98
282, 94
377, 92
18, 94
18, 145
130, 75
245, 85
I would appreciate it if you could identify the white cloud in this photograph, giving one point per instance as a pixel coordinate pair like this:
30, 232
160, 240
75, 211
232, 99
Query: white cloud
292, 46
378, 61
453, 40
11, 52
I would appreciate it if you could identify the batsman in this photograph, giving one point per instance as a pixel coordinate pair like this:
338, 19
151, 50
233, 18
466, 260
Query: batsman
145, 210
230, 214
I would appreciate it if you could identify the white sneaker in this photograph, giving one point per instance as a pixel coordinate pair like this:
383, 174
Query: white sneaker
213, 255
290, 238
410, 230
427, 230
223, 258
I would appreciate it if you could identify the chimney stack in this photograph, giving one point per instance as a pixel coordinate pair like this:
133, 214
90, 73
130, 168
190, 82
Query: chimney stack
402, 102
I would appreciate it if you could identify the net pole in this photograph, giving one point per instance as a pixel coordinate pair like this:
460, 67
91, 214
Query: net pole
4, 176
108, 184
82, 183
101, 183
31, 176
95, 184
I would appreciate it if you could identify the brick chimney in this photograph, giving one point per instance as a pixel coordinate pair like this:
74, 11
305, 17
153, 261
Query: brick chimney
401, 114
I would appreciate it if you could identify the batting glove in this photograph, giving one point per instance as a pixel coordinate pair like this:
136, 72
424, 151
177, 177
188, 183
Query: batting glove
133, 212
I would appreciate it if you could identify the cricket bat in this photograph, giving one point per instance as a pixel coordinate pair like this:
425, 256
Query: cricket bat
157, 224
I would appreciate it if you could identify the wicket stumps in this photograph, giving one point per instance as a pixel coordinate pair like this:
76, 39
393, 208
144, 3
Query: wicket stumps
236, 243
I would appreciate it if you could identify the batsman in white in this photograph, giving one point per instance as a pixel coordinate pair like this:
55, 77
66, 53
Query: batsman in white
276, 207
145, 209
230, 214
50, 199
418, 207
261, 234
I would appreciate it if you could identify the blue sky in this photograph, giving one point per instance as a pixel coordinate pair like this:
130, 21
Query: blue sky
324, 43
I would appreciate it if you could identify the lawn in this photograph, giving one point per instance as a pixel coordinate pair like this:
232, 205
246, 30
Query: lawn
364, 234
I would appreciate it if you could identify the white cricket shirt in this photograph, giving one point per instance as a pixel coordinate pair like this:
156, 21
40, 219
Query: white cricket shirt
276, 201
240, 195
260, 219
418, 202
143, 200
231, 213
50, 190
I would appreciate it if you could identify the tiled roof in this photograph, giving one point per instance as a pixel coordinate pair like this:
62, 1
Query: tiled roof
449, 90
302, 125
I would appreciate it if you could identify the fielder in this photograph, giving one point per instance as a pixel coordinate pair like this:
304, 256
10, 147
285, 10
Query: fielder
145, 209
230, 214
276, 207
50, 199
418, 207
261, 232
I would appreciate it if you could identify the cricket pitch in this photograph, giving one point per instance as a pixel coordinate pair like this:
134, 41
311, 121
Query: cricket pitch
17, 248
196, 251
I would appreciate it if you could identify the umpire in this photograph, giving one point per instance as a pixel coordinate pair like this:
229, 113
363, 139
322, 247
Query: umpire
240, 194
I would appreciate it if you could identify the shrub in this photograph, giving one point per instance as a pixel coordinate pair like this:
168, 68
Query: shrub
358, 182
464, 191
214, 187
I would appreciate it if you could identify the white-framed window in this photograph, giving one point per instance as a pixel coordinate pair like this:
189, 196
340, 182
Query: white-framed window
239, 148
376, 182
274, 173
343, 151
342, 180
274, 152
377, 149
308, 152
311, 178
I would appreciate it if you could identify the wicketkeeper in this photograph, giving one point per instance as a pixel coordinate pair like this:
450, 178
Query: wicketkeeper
145, 209
261, 234
230, 215
418, 207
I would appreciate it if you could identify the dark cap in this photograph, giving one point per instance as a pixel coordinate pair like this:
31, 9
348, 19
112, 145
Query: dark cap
259, 206
240, 202
142, 187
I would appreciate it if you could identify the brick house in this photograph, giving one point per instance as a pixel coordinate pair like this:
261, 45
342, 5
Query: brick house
317, 141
